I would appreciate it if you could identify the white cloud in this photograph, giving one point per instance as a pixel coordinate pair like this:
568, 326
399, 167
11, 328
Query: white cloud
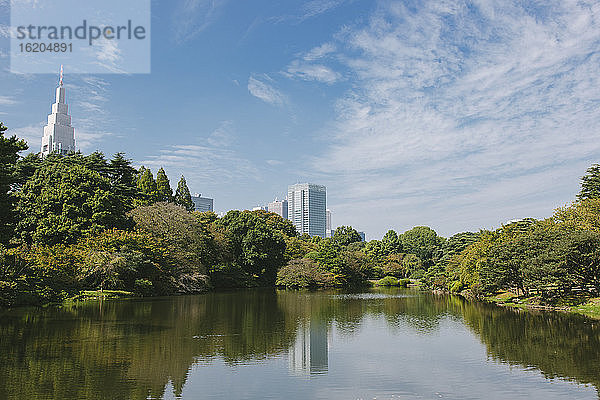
266, 92
32, 134
314, 8
108, 55
191, 17
320, 51
460, 116
223, 136
312, 72
274, 162
203, 166
7, 100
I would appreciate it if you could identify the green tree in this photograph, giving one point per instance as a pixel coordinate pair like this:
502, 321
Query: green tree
423, 242
9, 154
183, 196
344, 235
590, 183
63, 202
391, 242
123, 179
186, 241
253, 252
163, 187
146, 187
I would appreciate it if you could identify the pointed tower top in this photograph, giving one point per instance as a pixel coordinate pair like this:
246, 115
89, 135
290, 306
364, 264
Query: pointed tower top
61, 75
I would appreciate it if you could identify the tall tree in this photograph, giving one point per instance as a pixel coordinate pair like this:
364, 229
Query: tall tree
9, 154
590, 183
122, 178
344, 235
163, 187
423, 242
146, 187
391, 242
183, 196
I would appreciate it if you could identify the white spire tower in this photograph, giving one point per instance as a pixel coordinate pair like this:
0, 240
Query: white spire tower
59, 135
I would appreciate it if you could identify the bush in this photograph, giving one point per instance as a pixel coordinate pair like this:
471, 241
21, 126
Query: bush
303, 273
388, 281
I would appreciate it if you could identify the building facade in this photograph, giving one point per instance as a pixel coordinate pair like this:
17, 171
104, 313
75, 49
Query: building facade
279, 207
328, 230
307, 204
59, 135
202, 204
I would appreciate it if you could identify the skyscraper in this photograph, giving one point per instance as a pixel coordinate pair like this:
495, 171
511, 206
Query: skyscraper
279, 207
59, 135
306, 208
328, 231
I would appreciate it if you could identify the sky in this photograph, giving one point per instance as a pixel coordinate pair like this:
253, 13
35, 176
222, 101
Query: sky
458, 115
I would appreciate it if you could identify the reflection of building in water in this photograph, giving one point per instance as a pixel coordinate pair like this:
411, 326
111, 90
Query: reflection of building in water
309, 354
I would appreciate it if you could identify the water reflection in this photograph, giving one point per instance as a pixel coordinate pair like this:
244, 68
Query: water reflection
135, 349
309, 354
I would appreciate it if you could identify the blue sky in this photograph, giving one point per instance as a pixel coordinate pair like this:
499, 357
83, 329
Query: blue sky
458, 115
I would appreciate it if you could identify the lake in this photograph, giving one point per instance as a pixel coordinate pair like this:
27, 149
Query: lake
257, 344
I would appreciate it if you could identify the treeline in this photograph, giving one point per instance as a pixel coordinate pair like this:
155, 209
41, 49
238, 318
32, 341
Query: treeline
82, 222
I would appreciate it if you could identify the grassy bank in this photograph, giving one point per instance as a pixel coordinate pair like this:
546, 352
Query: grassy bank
587, 306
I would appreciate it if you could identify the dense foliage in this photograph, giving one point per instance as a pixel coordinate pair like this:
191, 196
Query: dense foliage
81, 222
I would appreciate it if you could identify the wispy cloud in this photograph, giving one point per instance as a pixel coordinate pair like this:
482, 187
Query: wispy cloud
204, 166
88, 97
320, 51
488, 110
317, 7
32, 134
312, 72
7, 100
107, 55
223, 136
191, 17
265, 91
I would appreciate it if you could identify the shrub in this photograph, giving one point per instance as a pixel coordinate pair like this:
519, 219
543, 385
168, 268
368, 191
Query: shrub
388, 281
303, 273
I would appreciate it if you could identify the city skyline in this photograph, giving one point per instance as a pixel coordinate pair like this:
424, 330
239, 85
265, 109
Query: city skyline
411, 113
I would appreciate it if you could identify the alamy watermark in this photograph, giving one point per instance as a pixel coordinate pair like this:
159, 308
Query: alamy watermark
90, 37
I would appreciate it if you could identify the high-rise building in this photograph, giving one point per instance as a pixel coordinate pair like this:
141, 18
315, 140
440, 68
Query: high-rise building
202, 204
59, 135
279, 207
328, 230
306, 208
259, 208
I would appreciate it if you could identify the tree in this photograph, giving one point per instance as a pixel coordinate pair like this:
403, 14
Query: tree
253, 250
590, 183
64, 201
163, 187
344, 235
391, 242
9, 154
423, 242
183, 196
276, 221
122, 179
146, 187
186, 241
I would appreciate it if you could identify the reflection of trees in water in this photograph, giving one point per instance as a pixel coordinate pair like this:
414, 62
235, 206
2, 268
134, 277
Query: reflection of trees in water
559, 345
133, 349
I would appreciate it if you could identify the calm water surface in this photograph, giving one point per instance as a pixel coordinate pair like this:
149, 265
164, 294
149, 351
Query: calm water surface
384, 344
